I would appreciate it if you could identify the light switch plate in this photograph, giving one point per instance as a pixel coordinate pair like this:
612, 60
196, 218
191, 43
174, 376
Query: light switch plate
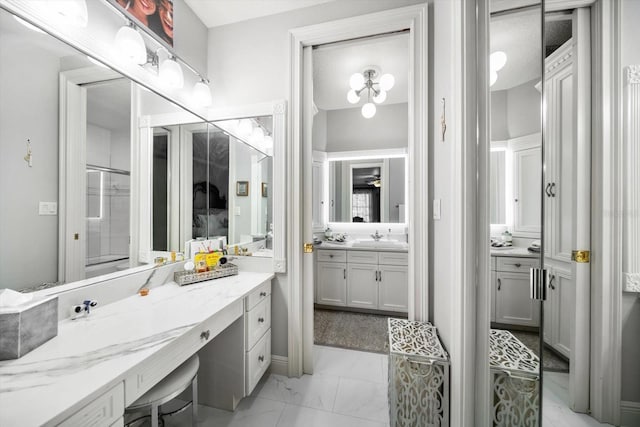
48, 208
236, 211
436, 209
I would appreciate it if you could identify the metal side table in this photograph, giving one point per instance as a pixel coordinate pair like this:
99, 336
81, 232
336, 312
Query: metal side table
418, 375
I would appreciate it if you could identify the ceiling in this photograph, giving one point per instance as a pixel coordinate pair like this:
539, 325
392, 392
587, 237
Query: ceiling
221, 12
334, 64
518, 35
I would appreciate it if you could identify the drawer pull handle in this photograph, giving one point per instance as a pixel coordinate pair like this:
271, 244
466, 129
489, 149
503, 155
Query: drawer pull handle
551, 285
330, 255
261, 358
263, 294
517, 264
205, 335
499, 284
260, 319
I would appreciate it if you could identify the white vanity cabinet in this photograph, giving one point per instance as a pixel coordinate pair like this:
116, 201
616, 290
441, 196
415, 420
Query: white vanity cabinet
362, 279
331, 271
559, 310
512, 303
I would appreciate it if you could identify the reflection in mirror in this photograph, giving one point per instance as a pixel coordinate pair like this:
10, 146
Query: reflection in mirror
514, 196
369, 190
83, 227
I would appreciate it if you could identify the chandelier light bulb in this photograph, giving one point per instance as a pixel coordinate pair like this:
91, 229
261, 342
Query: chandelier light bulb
368, 110
353, 97
244, 127
493, 78
170, 73
202, 94
380, 97
497, 60
386, 82
356, 81
129, 42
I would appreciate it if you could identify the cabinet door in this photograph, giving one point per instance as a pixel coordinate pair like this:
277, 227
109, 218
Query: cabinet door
362, 286
393, 288
527, 190
513, 304
564, 294
332, 283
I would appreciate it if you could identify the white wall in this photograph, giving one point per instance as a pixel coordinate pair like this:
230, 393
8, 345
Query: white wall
320, 131
630, 55
348, 130
28, 109
499, 128
248, 64
515, 112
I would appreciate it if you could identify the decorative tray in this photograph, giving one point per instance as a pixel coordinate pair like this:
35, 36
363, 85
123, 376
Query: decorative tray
188, 277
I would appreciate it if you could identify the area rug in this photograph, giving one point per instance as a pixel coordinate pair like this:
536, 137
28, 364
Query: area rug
355, 331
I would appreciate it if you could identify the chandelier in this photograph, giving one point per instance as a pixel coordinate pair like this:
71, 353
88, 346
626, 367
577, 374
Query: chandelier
376, 91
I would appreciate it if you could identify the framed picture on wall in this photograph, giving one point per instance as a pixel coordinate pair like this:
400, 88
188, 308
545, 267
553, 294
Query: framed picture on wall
265, 189
155, 15
242, 188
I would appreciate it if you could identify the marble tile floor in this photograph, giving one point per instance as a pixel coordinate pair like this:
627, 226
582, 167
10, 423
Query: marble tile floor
348, 389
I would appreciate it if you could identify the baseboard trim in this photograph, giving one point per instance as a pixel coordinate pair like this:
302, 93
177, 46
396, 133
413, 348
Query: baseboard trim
629, 413
279, 365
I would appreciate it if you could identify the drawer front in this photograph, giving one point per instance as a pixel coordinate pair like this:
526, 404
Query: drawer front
153, 370
393, 258
258, 320
258, 360
516, 265
259, 294
103, 411
327, 255
362, 257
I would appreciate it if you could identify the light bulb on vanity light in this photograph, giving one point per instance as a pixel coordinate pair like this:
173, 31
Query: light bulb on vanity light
202, 94
353, 97
245, 128
170, 72
130, 44
368, 110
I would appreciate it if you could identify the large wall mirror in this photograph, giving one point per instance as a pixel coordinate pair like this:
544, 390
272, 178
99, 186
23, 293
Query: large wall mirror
79, 190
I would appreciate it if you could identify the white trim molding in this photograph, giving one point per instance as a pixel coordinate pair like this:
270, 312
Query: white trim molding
631, 180
630, 414
279, 365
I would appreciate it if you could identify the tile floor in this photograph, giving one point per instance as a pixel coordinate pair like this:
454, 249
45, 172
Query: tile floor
348, 389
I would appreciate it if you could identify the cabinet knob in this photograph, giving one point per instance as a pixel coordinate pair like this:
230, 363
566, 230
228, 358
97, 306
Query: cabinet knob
330, 255
205, 335
518, 265
499, 284
261, 358
263, 294
260, 319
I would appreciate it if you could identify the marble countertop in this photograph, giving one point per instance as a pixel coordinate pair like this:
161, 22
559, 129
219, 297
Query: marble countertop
348, 245
90, 355
514, 251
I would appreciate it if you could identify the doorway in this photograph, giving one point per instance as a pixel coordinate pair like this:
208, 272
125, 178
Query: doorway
301, 207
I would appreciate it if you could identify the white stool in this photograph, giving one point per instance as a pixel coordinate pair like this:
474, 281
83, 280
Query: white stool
169, 388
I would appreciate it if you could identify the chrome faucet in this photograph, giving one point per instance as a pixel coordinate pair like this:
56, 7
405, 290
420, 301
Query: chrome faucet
377, 236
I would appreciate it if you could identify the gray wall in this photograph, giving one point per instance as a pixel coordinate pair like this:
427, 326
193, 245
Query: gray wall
28, 241
234, 51
630, 302
348, 130
320, 131
515, 112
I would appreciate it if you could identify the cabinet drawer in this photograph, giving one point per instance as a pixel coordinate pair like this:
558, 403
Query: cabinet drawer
258, 320
154, 369
257, 361
393, 258
103, 411
362, 257
326, 255
258, 295
516, 265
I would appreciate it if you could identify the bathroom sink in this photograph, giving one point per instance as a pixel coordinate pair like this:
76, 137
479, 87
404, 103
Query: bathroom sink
379, 244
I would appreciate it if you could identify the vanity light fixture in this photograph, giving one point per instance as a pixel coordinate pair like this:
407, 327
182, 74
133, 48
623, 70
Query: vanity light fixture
130, 43
359, 82
73, 12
